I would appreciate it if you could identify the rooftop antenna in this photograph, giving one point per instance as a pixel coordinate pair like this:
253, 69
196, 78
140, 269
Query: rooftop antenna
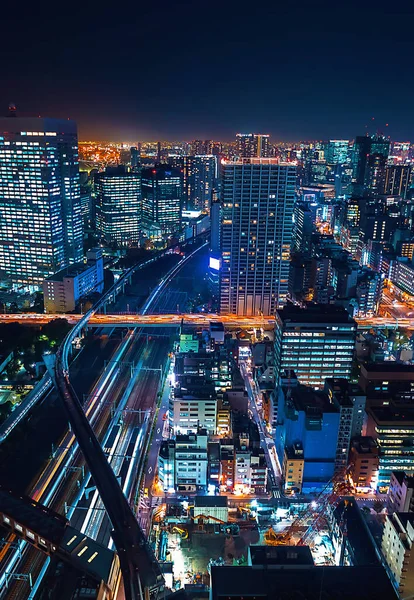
12, 110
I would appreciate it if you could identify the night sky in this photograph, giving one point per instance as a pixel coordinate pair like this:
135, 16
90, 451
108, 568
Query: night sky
203, 69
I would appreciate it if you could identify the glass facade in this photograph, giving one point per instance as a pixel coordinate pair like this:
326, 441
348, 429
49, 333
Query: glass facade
162, 198
41, 227
118, 205
316, 349
257, 208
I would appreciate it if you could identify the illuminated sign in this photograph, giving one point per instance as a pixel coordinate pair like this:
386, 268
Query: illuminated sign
215, 263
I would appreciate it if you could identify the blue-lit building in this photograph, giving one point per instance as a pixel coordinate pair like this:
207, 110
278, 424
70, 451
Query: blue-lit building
162, 198
118, 205
41, 225
308, 417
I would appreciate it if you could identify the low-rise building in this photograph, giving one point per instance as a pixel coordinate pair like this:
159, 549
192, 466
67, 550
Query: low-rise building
397, 542
63, 290
166, 465
364, 462
189, 342
191, 460
400, 493
211, 506
293, 465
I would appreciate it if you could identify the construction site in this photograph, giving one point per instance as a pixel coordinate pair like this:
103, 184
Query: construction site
191, 536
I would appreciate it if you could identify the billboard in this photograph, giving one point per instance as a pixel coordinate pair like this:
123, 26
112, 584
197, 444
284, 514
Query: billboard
214, 263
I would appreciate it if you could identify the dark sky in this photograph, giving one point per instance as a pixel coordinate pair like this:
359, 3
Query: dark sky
204, 69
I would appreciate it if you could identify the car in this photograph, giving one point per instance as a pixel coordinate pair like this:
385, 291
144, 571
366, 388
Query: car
146, 493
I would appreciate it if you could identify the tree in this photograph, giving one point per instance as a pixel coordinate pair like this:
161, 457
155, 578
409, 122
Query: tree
377, 506
56, 330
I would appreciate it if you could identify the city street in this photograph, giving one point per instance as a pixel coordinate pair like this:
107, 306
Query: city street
266, 442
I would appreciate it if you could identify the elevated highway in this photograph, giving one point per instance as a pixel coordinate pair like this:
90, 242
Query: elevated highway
174, 320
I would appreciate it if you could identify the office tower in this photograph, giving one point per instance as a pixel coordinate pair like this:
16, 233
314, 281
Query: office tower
397, 180
369, 160
257, 199
250, 145
337, 152
41, 227
162, 198
135, 157
302, 229
316, 342
118, 200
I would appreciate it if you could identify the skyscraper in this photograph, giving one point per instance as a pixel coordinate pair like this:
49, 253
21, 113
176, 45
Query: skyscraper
369, 159
257, 200
251, 145
41, 226
162, 198
118, 203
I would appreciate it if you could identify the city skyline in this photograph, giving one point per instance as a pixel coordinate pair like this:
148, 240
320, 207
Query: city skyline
181, 72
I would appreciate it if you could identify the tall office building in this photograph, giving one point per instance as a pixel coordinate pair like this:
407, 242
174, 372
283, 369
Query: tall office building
337, 152
250, 145
257, 199
41, 226
118, 203
369, 162
316, 342
162, 198
398, 180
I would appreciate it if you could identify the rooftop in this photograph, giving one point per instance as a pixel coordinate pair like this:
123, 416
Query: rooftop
305, 398
210, 501
315, 313
307, 583
280, 555
70, 272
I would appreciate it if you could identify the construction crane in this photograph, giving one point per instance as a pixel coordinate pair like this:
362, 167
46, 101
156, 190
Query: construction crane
309, 523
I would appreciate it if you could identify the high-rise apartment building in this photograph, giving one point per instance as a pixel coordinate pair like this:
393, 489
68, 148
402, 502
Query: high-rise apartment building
204, 180
162, 197
118, 201
41, 226
199, 181
251, 145
315, 342
257, 205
